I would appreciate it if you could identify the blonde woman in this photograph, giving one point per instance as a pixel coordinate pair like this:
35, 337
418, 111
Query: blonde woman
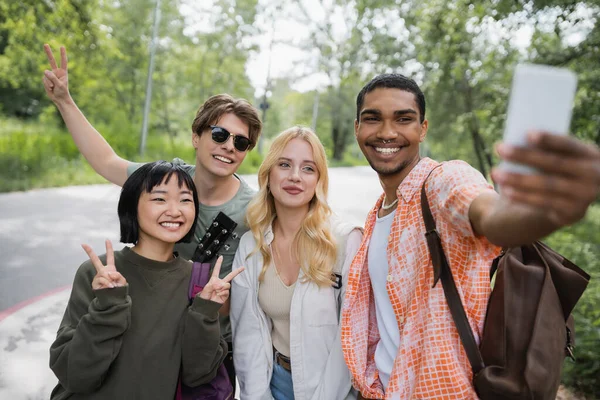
285, 308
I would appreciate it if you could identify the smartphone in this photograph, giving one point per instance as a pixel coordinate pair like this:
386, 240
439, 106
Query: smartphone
541, 98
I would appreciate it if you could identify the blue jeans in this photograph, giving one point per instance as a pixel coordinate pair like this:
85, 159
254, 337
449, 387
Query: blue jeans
282, 387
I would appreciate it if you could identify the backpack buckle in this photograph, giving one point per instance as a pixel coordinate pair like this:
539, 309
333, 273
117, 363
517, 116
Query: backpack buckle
569, 346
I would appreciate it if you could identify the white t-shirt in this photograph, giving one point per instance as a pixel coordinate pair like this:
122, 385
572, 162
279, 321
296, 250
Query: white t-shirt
387, 348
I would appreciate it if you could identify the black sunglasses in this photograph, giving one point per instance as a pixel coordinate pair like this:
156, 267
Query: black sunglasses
221, 135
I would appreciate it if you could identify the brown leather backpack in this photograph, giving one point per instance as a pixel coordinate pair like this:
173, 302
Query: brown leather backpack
528, 327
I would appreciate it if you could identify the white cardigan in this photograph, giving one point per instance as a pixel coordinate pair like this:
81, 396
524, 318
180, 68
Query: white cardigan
319, 371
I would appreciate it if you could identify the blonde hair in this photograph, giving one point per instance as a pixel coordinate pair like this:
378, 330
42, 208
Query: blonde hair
314, 245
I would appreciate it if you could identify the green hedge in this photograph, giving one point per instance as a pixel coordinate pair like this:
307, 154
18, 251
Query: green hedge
34, 156
27, 157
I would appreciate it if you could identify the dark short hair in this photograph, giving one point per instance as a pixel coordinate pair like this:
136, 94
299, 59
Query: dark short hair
144, 179
392, 81
218, 105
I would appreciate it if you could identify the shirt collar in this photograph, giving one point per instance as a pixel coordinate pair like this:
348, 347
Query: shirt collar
268, 235
409, 186
415, 178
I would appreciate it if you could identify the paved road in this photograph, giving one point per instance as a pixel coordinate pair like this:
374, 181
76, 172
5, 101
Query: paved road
40, 236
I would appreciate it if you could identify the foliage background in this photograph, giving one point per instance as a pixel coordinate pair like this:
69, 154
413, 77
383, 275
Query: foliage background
461, 52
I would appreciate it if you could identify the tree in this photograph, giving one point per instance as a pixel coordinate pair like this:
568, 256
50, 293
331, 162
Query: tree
21, 55
346, 53
567, 34
466, 66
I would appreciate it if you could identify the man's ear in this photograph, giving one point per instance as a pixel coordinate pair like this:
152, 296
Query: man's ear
355, 128
424, 127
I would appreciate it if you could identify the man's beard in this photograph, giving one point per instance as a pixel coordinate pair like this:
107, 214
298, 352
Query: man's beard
390, 170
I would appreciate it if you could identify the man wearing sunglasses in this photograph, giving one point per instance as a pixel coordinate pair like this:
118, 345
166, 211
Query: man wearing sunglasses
223, 132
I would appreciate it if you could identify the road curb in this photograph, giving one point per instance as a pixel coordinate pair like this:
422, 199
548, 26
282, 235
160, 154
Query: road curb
11, 310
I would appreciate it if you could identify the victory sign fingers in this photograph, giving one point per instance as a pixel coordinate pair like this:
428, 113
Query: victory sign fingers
107, 275
217, 268
56, 79
110, 257
52, 60
217, 289
233, 274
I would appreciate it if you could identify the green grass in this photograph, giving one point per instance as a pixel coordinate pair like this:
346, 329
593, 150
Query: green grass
60, 173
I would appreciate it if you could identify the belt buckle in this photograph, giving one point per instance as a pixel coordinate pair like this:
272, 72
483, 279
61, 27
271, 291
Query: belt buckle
284, 361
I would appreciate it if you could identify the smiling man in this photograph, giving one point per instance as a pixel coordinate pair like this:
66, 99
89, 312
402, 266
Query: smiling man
398, 335
223, 132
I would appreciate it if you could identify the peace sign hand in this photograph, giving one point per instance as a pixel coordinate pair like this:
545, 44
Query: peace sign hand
56, 81
217, 289
106, 276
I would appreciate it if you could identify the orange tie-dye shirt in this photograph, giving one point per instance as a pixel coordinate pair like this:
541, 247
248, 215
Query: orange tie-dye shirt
431, 362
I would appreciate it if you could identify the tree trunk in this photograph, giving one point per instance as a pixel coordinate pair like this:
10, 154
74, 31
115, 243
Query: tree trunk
337, 133
164, 100
483, 157
338, 126
479, 149
202, 68
132, 99
338, 145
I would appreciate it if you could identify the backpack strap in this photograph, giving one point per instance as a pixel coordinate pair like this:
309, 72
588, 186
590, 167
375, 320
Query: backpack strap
441, 270
199, 278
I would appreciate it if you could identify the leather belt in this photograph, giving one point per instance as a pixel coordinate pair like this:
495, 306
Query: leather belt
282, 360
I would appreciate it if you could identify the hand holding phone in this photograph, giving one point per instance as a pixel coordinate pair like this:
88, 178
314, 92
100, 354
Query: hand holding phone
552, 178
541, 99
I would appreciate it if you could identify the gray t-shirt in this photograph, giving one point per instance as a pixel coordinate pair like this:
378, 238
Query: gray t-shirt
234, 209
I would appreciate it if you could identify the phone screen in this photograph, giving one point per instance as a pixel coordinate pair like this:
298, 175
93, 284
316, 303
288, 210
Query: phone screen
541, 98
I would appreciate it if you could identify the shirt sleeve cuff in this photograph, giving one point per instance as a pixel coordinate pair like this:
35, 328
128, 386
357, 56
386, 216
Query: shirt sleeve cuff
111, 296
206, 307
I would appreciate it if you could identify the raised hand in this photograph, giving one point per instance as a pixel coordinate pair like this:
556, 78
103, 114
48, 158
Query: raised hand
568, 180
107, 275
56, 80
217, 289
